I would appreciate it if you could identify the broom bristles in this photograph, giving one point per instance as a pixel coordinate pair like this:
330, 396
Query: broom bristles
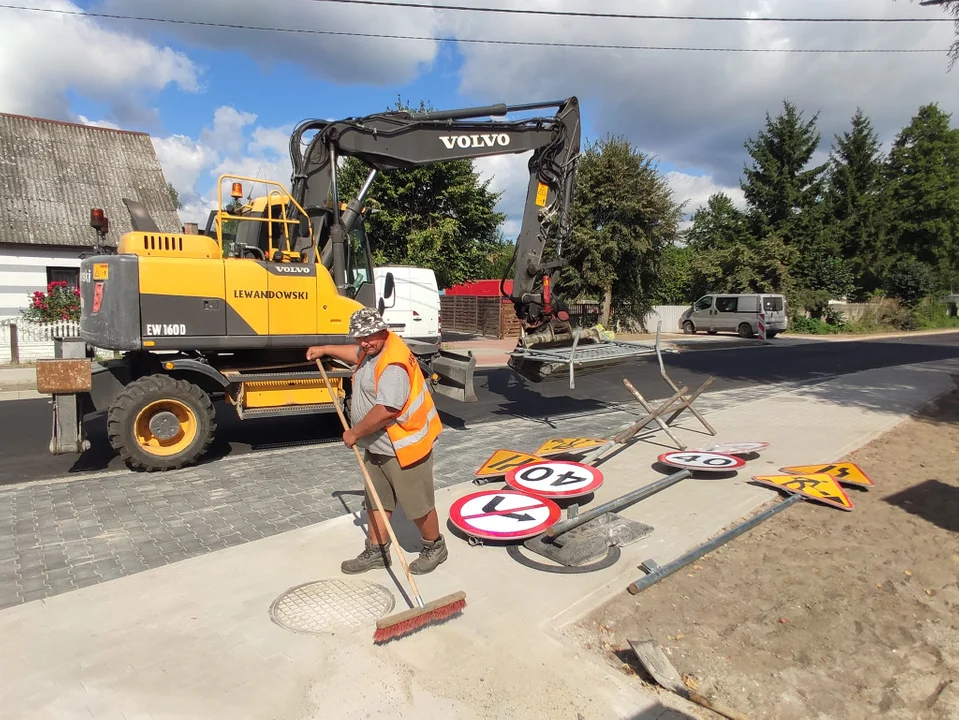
409, 621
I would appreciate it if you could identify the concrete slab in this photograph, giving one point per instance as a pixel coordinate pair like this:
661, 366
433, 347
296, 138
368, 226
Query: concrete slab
194, 640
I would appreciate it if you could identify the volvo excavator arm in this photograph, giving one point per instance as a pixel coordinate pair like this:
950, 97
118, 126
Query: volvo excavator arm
402, 139
405, 139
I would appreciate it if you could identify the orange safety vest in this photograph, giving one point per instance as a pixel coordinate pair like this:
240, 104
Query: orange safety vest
418, 425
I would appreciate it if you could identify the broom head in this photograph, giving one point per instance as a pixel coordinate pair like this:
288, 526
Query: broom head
403, 623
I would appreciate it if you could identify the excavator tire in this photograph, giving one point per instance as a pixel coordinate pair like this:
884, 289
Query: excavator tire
160, 423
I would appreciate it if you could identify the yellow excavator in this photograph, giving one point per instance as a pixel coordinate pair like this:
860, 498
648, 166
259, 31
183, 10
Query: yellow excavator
197, 318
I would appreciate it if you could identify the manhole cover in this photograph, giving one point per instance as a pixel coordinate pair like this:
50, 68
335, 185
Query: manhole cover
327, 606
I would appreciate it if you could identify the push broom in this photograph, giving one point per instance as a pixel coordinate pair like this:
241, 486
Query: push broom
403, 623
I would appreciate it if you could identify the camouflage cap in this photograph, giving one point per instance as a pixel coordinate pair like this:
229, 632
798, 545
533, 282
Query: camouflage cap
365, 322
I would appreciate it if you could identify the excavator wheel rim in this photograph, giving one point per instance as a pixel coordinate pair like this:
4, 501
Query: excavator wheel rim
149, 443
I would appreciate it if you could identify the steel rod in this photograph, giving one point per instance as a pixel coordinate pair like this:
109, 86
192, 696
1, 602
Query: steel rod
626, 434
680, 562
617, 503
659, 420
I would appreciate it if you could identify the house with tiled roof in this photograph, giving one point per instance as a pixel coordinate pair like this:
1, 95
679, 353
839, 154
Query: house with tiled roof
51, 175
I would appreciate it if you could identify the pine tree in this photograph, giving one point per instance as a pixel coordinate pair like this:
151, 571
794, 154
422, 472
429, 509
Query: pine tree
923, 172
859, 208
728, 257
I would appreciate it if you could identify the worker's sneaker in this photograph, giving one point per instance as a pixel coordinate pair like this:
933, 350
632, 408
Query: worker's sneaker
432, 554
374, 557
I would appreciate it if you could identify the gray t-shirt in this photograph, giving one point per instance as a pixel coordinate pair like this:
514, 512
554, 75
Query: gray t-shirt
393, 391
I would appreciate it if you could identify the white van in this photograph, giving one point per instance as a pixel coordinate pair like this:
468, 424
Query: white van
413, 311
735, 313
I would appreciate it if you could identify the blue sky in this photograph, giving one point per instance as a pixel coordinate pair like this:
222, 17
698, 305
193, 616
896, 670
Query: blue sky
217, 100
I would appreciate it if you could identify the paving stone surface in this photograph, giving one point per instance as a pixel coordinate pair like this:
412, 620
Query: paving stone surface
65, 534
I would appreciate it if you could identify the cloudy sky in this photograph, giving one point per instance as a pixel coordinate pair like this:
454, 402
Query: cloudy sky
224, 99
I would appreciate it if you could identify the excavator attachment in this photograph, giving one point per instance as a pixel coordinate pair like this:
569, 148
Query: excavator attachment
453, 375
545, 353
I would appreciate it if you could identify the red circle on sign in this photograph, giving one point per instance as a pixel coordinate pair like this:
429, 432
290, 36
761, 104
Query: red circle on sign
554, 478
699, 460
503, 514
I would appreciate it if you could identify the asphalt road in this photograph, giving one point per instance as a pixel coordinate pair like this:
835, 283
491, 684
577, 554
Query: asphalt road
25, 424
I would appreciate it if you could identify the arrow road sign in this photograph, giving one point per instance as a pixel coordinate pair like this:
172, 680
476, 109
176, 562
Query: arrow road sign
503, 514
555, 479
703, 461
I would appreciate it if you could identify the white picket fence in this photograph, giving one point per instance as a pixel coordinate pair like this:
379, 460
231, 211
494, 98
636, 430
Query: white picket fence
27, 342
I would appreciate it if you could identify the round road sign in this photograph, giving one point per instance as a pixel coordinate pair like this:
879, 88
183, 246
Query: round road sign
704, 461
503, 514
555, 478
734, 448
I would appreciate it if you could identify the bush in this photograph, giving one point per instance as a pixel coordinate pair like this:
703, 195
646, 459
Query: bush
932, 314
59, 303
909, 280
802, 325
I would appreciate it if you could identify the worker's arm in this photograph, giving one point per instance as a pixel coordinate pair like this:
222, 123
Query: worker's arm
349, 354
377, 418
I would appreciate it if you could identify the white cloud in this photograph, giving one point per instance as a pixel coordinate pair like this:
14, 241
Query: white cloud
508, 174
339, 58
696, 109
232, 144
696, 189
84, 120
42, 56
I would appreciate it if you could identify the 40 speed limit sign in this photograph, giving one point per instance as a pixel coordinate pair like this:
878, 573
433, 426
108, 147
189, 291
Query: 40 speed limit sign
703, 461
555, 478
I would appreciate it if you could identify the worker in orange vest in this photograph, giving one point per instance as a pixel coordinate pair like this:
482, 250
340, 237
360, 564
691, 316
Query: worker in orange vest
396, 423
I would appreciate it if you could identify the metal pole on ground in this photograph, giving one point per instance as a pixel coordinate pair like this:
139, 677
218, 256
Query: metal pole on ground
658, 573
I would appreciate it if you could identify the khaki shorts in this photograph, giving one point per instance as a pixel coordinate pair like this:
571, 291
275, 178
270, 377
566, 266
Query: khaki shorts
411, 487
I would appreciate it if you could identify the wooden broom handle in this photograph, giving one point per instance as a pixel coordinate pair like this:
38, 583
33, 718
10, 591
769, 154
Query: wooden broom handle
372, 490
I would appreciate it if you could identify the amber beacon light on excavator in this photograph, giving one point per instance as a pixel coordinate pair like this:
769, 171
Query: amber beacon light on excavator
228, 313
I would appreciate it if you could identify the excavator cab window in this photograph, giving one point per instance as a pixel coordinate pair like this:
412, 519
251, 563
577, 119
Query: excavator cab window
359, 267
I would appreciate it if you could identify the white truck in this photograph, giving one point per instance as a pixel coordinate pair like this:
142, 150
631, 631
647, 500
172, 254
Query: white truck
413, 310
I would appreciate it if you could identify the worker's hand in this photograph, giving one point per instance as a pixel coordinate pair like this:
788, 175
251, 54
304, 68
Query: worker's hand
315, 352
349, 438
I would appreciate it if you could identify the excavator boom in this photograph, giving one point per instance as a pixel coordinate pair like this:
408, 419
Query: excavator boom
403, 139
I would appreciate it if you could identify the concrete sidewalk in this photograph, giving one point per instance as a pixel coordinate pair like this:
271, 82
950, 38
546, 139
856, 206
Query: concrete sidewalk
18, 383
195, 639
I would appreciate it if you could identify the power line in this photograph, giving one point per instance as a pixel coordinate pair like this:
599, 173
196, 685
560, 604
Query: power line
475, 41
630, 16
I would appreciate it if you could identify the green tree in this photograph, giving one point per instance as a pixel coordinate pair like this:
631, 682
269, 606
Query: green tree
675, 276
174, 195
910, 281
782, 191
727, 257
623, 216
441, 216
858, 208
923, 172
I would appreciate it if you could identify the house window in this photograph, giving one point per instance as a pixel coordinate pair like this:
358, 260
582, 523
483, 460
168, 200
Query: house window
64, 274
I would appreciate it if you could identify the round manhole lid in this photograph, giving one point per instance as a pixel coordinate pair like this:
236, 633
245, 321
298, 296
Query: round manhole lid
329, 606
